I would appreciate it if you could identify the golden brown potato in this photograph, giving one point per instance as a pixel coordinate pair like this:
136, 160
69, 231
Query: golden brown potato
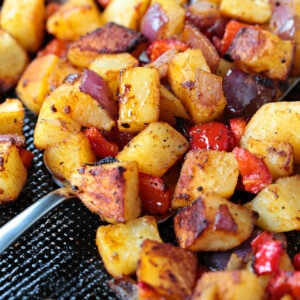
260, 51
212, 223
110, 190
138, 98
12, 114
229, 285
166, 271
205, 172
24, 20
14, 60
114, 240
13, 174
156, 149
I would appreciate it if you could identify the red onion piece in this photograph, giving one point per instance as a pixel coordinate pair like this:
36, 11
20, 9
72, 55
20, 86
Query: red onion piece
95, 86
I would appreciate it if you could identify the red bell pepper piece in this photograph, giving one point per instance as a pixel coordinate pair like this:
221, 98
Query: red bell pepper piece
296, 261
211, 135
158, 47
254, 172
267, 253
154, 193
55, 46
284, 283
237, 127
26, 157
100, 145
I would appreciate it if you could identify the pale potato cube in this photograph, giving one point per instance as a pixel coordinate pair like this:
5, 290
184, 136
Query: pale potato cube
24, 20
278, 205
256, 12
74, 19
119, 245
167, 270
156, 149
33, 86
12, 114
59, 160
110, 190
138, 98
276, 121
13, 173
127, 13
212, 223
229, 285
205, 172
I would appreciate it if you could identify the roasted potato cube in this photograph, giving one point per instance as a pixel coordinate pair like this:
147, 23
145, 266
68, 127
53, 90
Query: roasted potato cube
278, 156
138, 98
24, 20
115, 240
127, 13
12, 114
13, 173
280, 122
278, 205
74, 18
256, 12
228, 285
33, 86
260, 51
204, 172
110, 38
110, 190
212, 223
168, 271
14, 60
156, 149
59, 160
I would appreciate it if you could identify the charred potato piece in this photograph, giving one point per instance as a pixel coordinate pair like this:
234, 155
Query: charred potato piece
110, 190
114, 240
165, 271
212, 223
203, 172
12, 114
110, 38
260, 51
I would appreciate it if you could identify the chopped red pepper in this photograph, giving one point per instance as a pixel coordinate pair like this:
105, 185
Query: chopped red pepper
146, 291
237, 127
267, 253
154, 193
254, 172
284, 283
26, 157
55, 46
296, 261
158, 47
211, 135
100, 145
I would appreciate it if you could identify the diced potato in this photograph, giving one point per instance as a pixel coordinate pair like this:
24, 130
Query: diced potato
24, 20
33, 86
109, 66
114, 242
166, 270
14, 60
110, 190
205, 172
59, 160
278, 205
127, 13
260, 51
200, 91
212, 223
12, 114
156, 149
229, 285
138, 98
74, 19
278, 156
277, 121
170, 107
256, 12
13, 174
